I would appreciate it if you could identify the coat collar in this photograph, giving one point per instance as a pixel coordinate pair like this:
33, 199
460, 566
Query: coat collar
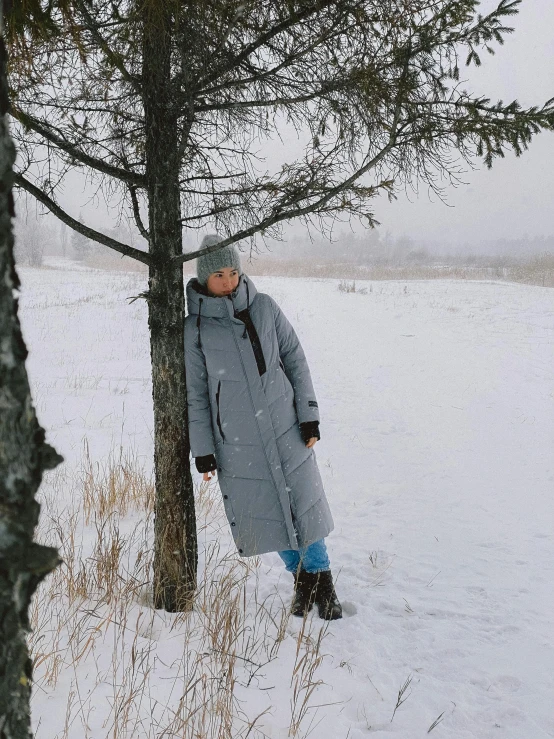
212, 307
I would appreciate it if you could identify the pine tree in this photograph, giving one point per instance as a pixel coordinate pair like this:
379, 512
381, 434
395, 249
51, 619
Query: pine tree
80, 245
63, 239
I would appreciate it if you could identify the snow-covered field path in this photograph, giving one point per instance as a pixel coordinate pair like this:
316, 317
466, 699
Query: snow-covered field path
437, 404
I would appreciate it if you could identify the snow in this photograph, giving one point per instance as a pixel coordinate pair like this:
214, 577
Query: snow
436, 401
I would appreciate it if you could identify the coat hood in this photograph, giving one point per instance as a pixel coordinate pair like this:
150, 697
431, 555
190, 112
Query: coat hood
211, 307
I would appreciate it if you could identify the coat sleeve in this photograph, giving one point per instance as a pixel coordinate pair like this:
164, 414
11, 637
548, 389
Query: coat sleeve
198, 401
296, 367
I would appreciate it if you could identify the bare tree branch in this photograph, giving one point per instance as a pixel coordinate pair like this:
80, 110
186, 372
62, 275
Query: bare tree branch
90, 233
270, 102
286, 215
136, 212
44, 130
116, 59
230, 64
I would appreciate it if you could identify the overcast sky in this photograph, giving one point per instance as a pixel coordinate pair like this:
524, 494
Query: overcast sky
516, 197
513, 200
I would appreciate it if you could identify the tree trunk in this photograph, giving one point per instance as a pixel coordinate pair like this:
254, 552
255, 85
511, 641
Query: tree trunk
23, 457
175, 548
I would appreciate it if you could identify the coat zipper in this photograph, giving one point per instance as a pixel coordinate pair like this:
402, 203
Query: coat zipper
218, 416
257, 426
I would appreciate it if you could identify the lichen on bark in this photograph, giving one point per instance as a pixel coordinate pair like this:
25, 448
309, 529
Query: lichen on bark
24, 456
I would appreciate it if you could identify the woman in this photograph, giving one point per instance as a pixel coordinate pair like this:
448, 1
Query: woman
254, 418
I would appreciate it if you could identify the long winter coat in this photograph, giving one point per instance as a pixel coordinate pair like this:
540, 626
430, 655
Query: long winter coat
272, 490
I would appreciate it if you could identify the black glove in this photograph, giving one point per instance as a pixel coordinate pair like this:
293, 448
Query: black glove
309, 430
206, 463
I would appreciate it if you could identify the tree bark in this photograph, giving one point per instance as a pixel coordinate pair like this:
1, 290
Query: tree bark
24, 456
175, 547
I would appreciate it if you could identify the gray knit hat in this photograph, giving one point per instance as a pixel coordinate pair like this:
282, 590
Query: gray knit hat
207, 264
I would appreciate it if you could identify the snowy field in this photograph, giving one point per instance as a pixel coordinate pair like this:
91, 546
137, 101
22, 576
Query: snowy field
437, 405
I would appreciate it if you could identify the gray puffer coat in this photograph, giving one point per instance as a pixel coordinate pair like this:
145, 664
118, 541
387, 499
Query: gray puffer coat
272, 489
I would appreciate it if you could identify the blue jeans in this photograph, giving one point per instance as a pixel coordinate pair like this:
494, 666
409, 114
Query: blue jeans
313, 558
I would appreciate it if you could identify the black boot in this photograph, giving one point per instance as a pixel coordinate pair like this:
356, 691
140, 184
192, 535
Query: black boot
304, 593
328, 604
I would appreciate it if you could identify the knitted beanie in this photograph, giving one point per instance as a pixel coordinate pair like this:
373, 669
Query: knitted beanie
207, 264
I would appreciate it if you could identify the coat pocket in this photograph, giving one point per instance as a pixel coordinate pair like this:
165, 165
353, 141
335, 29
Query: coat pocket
218, 417
287, 385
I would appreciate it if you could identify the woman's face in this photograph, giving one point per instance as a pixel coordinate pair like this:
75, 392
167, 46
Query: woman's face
223, 282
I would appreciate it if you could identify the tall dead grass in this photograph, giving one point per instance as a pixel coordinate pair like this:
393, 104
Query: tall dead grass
537, 270
118, 483
123, 669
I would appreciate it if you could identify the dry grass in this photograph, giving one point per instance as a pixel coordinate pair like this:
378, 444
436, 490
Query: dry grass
120, 483
131, 671
110, 260
303, 681
534, 271
538, 270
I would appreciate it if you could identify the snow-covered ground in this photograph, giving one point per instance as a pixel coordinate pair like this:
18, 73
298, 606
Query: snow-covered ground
437, 452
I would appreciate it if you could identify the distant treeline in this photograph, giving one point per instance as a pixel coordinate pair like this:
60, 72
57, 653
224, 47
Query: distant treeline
374, 248
39, 235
